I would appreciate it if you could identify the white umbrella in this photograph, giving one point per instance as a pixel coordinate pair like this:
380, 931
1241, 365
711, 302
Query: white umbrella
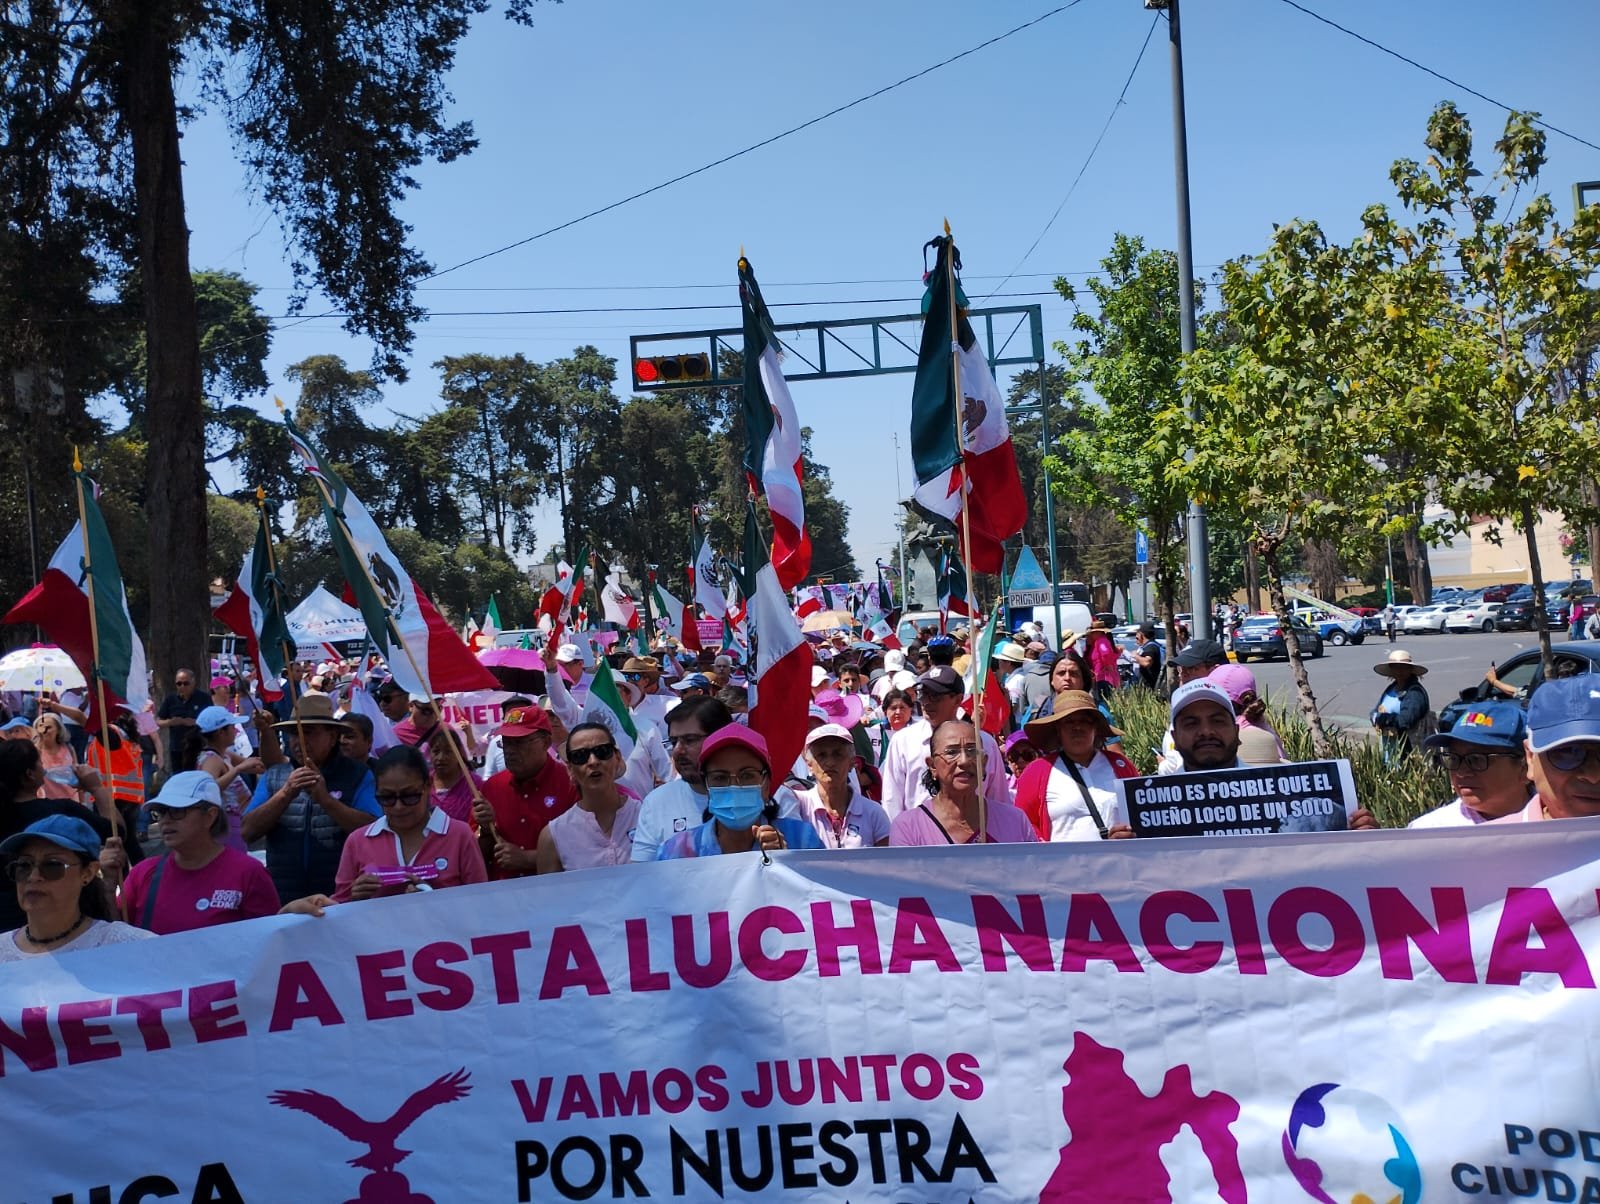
32, 670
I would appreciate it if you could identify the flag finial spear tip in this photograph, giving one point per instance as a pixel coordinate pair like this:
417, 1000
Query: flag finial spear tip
947, 227
277, 401
77, 460
261, 495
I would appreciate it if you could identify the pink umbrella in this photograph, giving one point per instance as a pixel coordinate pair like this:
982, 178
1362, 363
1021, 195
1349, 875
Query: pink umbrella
511, 658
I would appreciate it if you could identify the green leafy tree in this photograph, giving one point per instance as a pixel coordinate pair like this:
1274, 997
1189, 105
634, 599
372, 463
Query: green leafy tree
1515, 422
1121, 457
500, 393
332, 108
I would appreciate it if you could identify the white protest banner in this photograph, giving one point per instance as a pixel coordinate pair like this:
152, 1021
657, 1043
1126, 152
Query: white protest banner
1389, 1016
1306, 796
479, 708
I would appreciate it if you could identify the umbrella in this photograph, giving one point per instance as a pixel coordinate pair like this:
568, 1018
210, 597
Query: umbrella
39, 668
512, 658
527, 682
827, 620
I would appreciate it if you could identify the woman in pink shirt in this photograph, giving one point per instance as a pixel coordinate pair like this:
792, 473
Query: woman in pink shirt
598, 830
953, 813
415, 846
55, 750
453, 789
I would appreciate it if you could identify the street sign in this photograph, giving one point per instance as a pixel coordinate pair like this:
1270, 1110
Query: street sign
1141, 547
1021, 599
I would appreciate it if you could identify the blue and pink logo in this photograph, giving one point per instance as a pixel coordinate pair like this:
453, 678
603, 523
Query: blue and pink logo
1344, 1146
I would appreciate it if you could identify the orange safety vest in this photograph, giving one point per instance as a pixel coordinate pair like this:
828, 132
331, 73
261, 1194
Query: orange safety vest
122, 770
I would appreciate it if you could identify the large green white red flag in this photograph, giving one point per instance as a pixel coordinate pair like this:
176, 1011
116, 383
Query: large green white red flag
424, 652
679, 624
773, 449
780, 680
556, 602
703, 572
253, 610
967, 479
60, 604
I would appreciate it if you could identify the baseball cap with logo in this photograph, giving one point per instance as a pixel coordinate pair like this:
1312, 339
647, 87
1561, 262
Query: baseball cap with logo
523, 721
1491, 724
941, 679
1564, 711
1200, 691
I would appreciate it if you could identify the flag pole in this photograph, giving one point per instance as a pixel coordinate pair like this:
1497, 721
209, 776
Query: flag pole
966, 525
277, 594
485, 833
94, 626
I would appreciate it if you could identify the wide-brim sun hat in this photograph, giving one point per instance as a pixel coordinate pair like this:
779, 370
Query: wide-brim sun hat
1066, 704
1399, 659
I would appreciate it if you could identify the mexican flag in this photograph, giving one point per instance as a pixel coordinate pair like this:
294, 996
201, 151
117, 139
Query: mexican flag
604, 705
952, 590
253, 610
996, 704
780, 677
557, 600
772, 445
808, 600
59, 605
703, 572
988, 506
424, 652
680, 624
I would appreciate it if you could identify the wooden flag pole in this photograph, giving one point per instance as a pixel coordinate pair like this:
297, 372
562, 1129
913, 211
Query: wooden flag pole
966, 526
94, 627
277, 593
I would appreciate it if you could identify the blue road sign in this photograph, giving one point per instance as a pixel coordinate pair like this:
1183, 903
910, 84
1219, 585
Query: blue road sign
1141, 547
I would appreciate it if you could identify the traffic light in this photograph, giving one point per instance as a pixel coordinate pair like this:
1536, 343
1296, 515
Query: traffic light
657, 370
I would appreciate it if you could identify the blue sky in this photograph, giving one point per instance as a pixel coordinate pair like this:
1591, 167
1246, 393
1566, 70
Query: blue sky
1287, 118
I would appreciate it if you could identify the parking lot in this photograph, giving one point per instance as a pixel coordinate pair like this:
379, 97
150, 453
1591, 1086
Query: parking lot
1346, 687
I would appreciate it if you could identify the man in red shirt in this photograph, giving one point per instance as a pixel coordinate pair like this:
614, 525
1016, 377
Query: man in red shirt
521, 799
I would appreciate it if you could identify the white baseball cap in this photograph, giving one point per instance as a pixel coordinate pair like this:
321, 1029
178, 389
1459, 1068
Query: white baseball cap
1203, 690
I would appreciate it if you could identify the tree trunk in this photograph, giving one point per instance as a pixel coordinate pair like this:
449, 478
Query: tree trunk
1252, 578
1529, 523
175, 472
1297, 667
495, 500
1419, 575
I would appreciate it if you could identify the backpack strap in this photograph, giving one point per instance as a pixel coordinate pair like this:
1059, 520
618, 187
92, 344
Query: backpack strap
148, 911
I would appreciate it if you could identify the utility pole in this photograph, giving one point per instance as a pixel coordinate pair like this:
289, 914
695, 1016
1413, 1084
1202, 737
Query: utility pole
905, 582
1199, 544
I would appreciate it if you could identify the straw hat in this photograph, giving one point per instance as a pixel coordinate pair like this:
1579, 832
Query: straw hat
313, 710
1400, 659
1066, 704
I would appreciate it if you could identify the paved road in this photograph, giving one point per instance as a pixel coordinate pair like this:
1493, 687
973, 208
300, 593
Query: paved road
1346, 687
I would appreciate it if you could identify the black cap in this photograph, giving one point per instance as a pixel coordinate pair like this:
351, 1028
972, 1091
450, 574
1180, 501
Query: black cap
1200, 652
942, 679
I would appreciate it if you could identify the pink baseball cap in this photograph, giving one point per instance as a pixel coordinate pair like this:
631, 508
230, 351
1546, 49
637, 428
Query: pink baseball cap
735, 734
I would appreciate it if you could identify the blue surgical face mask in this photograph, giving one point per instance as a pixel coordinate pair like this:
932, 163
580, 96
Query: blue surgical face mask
736, 807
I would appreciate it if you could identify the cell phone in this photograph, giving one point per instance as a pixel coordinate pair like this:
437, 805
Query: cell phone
63, 774
400, 875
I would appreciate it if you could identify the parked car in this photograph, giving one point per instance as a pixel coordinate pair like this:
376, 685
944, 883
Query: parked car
1515, 616
1260, 637
1498, 593
1366, 612
1428, 618
1478, 617
1523, 674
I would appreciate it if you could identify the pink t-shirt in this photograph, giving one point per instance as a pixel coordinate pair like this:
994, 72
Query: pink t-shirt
917, 827
233, 886
448, 847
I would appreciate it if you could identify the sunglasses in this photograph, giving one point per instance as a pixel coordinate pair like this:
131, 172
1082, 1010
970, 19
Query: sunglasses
1572, 756
162, 814
599, 752
51, 870
399, 800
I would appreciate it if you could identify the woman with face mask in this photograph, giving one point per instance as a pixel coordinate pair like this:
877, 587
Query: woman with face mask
741, 814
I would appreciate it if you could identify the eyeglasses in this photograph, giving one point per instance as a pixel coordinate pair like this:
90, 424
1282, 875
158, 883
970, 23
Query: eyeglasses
51, 870
633, 677
1471, 762
183, 681
966, 751
582, 756
1572, 756
745, 777
410, 799
162, 814
688, 740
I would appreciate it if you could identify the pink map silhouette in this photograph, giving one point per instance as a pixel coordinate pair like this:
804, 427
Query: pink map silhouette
1114, 1153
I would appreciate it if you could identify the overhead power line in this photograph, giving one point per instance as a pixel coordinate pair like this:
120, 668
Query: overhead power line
1088, 159
1439, 75
755, 146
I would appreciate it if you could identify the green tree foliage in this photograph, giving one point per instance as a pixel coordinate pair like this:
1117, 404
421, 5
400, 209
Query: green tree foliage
1515, 426
332, 108
1121, 457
